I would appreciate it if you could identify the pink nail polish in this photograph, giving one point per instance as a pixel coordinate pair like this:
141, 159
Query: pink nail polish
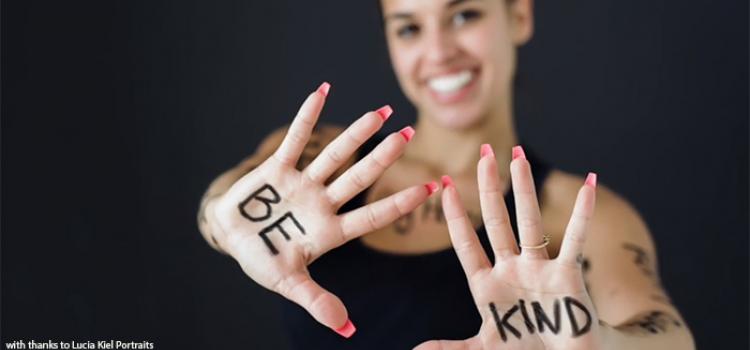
486, 150
431, 187
446, 180
591, 180
323, 89
518, 152
347, 330
385, 112
407, 133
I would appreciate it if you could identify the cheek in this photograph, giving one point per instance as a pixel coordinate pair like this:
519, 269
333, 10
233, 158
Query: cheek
404, 61
492, 46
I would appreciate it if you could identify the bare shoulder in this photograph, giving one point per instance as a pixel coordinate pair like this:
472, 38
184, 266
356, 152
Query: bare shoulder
615, 218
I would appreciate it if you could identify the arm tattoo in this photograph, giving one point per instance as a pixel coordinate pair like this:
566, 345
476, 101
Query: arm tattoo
543, 322
654, 322
645, 263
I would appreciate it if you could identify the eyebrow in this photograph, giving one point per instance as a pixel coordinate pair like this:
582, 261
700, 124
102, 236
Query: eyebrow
409, 15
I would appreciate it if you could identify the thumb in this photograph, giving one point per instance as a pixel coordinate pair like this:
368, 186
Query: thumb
325, 307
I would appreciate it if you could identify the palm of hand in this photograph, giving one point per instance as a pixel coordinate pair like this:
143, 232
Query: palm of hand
526, 300
529, 303
276, 219
283, 225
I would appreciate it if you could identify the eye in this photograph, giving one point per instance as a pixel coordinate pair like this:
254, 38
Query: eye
462, 17
407, 31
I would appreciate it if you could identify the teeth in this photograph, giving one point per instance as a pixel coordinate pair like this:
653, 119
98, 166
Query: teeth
450, 83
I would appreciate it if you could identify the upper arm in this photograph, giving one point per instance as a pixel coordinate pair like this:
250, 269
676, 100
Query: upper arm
621, 268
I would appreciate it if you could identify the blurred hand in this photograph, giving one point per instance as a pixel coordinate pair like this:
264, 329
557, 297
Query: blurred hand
276, 220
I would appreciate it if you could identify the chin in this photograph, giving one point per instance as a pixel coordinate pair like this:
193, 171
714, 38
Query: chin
459, 119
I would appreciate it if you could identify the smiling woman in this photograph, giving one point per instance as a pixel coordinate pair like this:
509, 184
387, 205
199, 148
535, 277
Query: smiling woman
413, 268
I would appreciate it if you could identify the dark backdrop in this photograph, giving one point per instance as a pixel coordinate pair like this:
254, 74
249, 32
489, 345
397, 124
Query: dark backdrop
117, 114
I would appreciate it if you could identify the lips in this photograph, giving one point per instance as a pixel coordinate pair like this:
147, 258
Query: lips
450, 83
452, 87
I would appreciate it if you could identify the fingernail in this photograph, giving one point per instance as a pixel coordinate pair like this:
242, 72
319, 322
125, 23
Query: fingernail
385, 112
323, 89
431, 187
446, 180
591, 179
347, 330
518, 152
486, 150
407, 133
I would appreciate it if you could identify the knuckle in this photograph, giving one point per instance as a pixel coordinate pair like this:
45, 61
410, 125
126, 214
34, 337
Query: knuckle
334, 155
306, 120
530, 223
465, 246
377, 163
575, 236
495, 222
297, 136
399, 206
357, 179
357, 133
371, 218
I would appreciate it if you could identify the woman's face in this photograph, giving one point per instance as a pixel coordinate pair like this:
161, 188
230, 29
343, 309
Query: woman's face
455, 59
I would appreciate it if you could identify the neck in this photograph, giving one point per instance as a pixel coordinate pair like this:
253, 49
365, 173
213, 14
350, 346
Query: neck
456, 152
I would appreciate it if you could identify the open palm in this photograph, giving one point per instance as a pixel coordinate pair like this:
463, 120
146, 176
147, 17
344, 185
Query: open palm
526, 300
276, 220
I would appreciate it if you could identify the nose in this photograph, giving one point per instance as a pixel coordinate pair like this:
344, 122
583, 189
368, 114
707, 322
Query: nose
440, 47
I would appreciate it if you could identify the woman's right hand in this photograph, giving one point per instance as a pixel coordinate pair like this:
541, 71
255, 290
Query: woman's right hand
276, 220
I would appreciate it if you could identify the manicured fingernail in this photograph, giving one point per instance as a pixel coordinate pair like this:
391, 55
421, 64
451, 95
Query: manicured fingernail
407, 133
518, 152
591, 179
446, 180
347, 330
486, 150
385, 112
431, 187
323, 89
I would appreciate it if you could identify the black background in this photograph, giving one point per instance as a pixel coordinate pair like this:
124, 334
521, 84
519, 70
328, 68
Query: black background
117, 114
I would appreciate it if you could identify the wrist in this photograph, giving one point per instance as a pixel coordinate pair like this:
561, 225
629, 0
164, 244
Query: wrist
209, 225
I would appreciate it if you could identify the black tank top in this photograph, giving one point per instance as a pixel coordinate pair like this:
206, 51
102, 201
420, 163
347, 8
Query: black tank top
395, 301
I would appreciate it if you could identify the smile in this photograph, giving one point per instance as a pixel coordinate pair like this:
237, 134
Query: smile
452, 82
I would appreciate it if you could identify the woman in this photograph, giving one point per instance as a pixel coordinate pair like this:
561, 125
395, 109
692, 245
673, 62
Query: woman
579, 279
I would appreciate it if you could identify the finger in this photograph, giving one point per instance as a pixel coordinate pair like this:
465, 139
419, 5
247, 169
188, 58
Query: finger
299, 132
325, 307
527, 207
492, 202
472, 343
575, 232
377, 215
463, 237
362, 174
343, 146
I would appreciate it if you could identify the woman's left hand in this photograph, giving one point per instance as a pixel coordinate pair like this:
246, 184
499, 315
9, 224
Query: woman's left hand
526, 300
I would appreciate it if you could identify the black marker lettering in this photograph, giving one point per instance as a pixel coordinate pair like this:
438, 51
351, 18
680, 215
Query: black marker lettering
526, 319
503, 323
653, 323
277, 225
573, 322
542, 319
434, 208
404, 224
262, 199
